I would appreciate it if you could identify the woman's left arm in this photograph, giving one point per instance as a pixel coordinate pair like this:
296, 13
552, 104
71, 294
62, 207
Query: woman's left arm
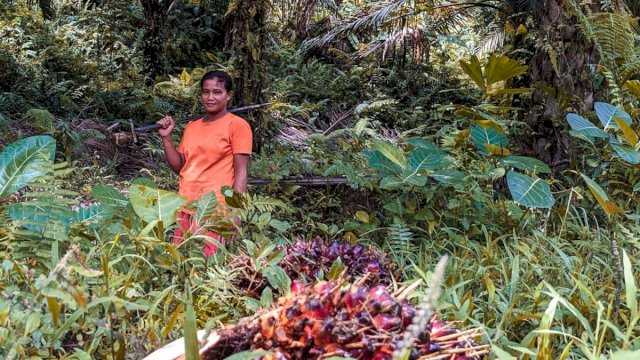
241, 172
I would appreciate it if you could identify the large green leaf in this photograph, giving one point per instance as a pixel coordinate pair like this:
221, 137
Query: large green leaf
93, 215
154, 204
627, 154
502, 68
206, 206
109, 195
529, 192
448, 176
585, 127
481, 135
424, 159
24, 161
607, 113
419, 143
474, 70
525, 163
391, 152
602, 198
45, 218
381, 163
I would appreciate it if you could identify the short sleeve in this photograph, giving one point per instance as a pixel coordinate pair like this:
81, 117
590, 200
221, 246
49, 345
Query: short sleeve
241, 136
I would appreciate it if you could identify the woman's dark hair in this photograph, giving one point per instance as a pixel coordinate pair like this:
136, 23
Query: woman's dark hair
218, 75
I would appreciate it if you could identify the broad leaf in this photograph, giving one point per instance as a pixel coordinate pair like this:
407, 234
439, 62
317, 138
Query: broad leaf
427, 159
423, 144
607, 112
94, 214
381, 163
248, 355
474, 70
24, 161
109, 195
206, 207
607, 205
529, 192
448, 176
627, 154
153, 204
525, 163
585, 127
391, 152
481, 135
497, 150
45, 218
629, 134
502, 68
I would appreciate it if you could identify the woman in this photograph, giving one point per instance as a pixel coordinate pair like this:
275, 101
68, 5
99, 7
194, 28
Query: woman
214, 151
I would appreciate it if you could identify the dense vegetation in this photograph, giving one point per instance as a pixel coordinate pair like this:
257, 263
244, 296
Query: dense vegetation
502, 133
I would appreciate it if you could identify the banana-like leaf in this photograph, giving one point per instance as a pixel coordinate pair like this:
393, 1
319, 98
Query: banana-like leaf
607, 205
153, 204
607, 113
585, 127
481, 135
474, 70
529, 192
627, 154
502, 68
24, 161
525, 163
109, 195
424, 159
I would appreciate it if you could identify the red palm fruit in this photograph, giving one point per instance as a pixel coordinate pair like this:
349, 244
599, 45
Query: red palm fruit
267, 326
386, 322
381, 294
322, 332
379, 355
440, 328
313, 309
297, 286
373, 267
407, 314
354, 297
322, 287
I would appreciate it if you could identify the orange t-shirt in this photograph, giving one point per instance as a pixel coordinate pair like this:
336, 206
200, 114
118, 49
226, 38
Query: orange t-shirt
208, 149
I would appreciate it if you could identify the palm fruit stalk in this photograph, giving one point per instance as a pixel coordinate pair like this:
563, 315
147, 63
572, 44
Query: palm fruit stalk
346, 320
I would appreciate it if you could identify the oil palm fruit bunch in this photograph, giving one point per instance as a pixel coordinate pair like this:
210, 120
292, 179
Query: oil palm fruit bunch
345, 320
308, 260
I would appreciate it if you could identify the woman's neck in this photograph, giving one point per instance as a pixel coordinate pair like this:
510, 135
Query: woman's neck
215, 116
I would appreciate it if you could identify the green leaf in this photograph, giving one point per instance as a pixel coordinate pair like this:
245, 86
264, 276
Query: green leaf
33, 322
585, 127
206, 207
448, 176
607, 205
626, 355
391, 152
529, 192
419, 143
191, 350
525, 163
277, 278
24, 161
336, 269
50, 220
630, 286
109, 195
155, 204
481, 135
248, 355
627, 154
607, 112
427, 159
474, 70
266, 298
501, 354
96, 213
502, 68
636, 187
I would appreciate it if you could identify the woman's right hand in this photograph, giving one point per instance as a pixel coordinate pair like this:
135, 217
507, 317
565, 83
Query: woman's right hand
167, 124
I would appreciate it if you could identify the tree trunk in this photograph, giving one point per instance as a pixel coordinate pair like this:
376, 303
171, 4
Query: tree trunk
563, 80
155, 15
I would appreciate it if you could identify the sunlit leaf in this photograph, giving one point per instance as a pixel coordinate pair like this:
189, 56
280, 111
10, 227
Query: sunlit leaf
109, 195
191, 350
391, 152
529, 192
630, 286
502, 68
583, 126
629, 134
496, 150
607, 113
474, 70
426, 159
155, 204
94, 214
627, 154
24, 161
481, 135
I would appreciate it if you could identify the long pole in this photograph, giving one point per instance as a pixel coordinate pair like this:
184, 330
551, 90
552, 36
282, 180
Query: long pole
195, 117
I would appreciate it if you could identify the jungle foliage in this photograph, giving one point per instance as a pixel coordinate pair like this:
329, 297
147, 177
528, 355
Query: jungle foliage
503, 134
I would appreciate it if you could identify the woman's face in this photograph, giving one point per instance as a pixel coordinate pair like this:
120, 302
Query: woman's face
214, 96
